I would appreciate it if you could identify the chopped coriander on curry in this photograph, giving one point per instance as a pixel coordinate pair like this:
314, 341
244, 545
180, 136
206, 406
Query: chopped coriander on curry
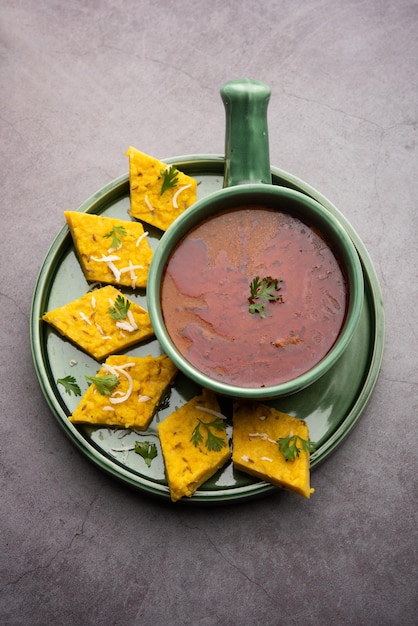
262, 290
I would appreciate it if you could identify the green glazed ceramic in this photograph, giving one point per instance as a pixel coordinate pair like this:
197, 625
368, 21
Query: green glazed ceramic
331, 406
247, 181
247, 156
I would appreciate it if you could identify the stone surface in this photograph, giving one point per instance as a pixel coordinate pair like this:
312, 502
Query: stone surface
80, 82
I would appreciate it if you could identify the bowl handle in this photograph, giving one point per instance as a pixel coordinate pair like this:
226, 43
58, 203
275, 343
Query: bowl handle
247, 157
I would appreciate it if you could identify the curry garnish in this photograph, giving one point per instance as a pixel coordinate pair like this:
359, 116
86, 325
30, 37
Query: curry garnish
116, 233
170, 178
121, 308
105, 384
70, 385
213, 442
263, 290
288, 446
147, 450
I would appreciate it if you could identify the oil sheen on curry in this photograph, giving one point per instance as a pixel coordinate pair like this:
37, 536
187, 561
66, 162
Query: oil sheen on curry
206, 297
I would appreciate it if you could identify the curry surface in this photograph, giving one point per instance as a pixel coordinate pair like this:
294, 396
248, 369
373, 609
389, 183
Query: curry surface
206, 287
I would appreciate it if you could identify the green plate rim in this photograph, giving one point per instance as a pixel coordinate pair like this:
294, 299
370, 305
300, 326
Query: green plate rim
215, 165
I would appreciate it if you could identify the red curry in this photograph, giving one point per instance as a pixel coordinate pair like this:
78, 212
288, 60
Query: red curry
206, 289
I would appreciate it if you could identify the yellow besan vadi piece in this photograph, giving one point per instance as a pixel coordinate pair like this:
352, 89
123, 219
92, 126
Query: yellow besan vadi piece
256, 429
102, 322
188, 465
152, 203
133, 402
110, 250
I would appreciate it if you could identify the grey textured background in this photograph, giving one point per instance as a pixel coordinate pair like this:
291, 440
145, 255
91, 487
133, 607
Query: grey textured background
80, 82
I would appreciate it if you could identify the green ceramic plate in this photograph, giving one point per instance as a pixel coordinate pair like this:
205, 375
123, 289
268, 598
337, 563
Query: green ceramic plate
331, 406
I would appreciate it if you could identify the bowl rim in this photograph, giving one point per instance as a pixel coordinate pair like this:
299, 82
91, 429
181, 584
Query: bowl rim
211, 205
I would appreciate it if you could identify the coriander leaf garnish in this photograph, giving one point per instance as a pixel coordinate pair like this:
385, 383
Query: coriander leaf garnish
263, 289
289, 448
70, 385
116, 233
213, 443
105, 384
121, 308
147, 450
170, 178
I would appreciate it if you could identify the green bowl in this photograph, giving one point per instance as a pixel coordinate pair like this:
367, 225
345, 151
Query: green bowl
247, 181
283, 199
